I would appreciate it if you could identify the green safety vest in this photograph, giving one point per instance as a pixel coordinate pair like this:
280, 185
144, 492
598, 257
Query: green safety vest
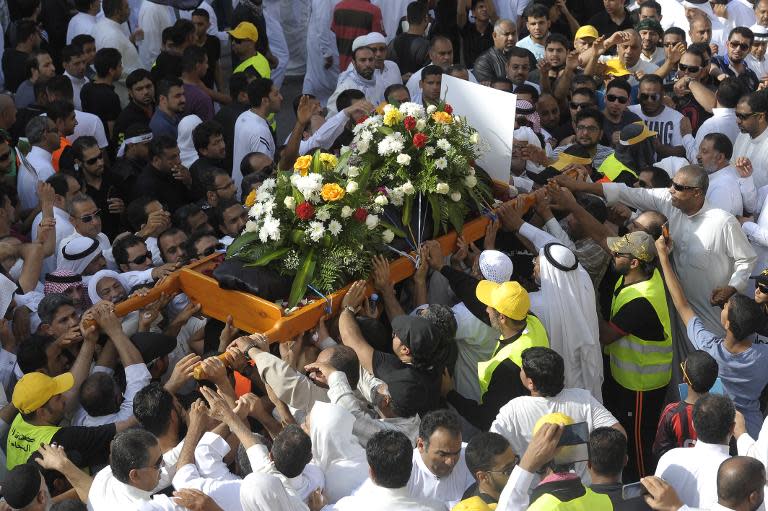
257, 62
590, 501
612, 168
533, 335
638, 364
24, 439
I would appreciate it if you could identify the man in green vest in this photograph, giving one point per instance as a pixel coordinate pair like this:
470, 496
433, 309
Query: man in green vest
244, 38
638, 341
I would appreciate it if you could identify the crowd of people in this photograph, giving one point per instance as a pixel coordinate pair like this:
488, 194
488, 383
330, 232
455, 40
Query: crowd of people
601, 347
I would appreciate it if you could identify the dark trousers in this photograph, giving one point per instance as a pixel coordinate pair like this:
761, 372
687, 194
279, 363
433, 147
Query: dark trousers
638, 413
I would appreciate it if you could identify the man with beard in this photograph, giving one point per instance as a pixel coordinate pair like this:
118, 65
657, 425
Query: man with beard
616, 115
141, 91
669, 124
650, 32
132, 157
638, 337
724, 191
360, 77
492, 63
734, 64
756, 59
588, 126
170, 107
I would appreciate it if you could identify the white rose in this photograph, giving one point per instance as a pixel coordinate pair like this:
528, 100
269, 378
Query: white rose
431, 109
442, 188
346, 212
352, 186
251, 226
403, 159
381, 200
408, 188
353, 171
372, 221
456, 196
474, 138
421, 124
387, 236
290, 203
470, 181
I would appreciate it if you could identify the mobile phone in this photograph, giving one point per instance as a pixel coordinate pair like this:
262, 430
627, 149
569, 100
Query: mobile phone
633, 491
574, 434
665, 231
572, 446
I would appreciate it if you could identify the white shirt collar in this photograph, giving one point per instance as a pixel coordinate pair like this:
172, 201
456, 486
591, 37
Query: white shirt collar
704, 445
723, 112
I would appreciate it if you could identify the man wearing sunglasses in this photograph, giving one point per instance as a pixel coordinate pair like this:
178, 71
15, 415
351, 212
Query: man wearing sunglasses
100, 186
616, 114
669, 124
734, 63
84, 215
491, 460
752, 142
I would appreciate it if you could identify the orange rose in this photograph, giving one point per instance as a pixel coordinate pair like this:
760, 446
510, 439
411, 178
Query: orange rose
442, 117
251, 199
302, 165
332, 192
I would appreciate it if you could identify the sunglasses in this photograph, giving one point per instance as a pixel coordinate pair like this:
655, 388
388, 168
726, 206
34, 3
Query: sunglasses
210, 250
86, 219
689, 69
744, 117
649, 97
763, 288
613, 99
683, 188
741, 46
91, 161
576, 106
142, 258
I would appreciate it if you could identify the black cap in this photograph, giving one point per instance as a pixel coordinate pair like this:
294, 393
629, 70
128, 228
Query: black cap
418, 334
153, 345
21, 485
762, 277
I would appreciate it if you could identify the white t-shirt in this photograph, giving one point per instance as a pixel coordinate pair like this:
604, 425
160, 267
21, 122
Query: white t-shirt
666, 124
252, 134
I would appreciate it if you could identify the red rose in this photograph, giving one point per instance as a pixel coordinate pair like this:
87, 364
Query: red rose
448, 109
305, 210
360, 215
362, 119
420, 140
409, 123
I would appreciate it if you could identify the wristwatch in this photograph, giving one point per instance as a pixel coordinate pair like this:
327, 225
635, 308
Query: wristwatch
351, 309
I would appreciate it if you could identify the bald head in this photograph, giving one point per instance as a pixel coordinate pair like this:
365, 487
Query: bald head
649, 221
740, 482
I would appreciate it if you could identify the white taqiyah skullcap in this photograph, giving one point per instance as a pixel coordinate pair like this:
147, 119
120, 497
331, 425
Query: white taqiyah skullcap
375, 38
359, 42
495, 266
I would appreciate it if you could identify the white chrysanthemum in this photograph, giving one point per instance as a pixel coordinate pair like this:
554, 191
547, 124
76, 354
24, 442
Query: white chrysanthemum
396, 196
391, 144
372, 221
403, 159
269, 206
346, 212
470, 181
251, 226
272, 227
308, 185
442, 188
362, 147
353, 171
431, 109
322, 215
388, 107
408, 188
266, 187
316, 230
381, 200
441, 163
257, 210
334, 227
387, 236
456, 196
352, 186
429, 150
443, 144
412, 109
290, 202
421, 124
474, 138
366, 136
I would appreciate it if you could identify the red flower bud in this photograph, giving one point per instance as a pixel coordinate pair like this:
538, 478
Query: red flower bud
448, 109
360, 214
420, 140
409, 123
305, 211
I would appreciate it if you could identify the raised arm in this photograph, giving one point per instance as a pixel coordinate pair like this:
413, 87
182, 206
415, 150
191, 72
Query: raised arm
673, 283
348, 328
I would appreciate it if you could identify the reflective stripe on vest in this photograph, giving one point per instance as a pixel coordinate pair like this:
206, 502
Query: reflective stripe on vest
612, 168
638, 364
533, 335
24, 439
590, 501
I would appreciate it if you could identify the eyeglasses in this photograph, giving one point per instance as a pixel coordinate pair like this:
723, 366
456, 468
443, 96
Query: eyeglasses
210, 250
744, 117
86, 219
160, 463
763, 288
142, 258
576, 106
649, 97
229, 184
682, 188
736, 44
507, 471
613, 99
689, 69
91, 161
587, 128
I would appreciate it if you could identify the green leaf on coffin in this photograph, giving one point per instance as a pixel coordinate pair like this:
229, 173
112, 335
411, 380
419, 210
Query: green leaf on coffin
303, 278
241, 242
269, 257
434, 203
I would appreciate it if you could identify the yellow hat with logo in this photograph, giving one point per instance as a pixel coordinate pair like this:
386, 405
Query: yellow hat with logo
614, 67
245, 30
33, 390
509, 298
553, 418
586, 31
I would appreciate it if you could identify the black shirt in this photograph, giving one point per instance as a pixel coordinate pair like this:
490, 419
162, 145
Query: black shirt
475, 43
163, 187
212, 48
91, 442
409, 52
613, 490
605, 25
110, 222
609, 127
389, 368
167, 65
689, 107
14, 69
101, 100
124, 173
639, 318
131, 114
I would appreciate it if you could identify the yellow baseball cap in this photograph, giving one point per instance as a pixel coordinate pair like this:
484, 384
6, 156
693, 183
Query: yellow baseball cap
33, 390
245, 30
586, 31
614, 67
553, 418
509, 298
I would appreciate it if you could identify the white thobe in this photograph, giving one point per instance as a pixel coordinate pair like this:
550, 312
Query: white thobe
449, 489
724, 192
741, 13
376, 498
392, 11
277, 43
756, 149
390, 75
137, 377
35, 167
757, 231
109, 34
510, 9
81, 23
371, 88
325, 135
723, 121
109, 494
476, 342
77, 86
760, 67
710, 249
89, 125
321, 43
63, 229
692, 472
153, 19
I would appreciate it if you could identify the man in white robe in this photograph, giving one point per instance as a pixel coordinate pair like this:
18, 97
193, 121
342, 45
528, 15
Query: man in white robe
322, 54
